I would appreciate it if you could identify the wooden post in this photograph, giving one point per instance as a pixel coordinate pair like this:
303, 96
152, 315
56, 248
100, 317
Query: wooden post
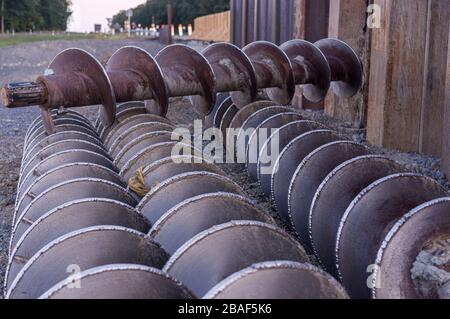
348, 22
446, 133
406, 65
434, 90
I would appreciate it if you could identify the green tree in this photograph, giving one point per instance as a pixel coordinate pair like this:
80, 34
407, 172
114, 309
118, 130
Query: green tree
185, 11
23, 15
55, 14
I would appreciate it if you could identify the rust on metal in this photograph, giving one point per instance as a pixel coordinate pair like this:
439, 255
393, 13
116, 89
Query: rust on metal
368, 219
121, 282
229, 248
293, 281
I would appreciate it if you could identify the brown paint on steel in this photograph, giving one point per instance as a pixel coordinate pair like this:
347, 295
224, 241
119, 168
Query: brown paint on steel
70, 217
410, 235
334, 196
234, 72
368, 220
63, 193
346, 67
61, 174
197, 214
311, 69
274, 71
133, 282
169, 167
87, 248
136, 76
279, 280
229, 248
182, 187
308, 177
188, 73
289, 159
140, 143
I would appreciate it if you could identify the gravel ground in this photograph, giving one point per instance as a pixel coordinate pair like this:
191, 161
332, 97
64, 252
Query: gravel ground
25, 62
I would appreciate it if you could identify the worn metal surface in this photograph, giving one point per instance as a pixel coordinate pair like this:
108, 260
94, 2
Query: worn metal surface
409, 235
179, 71
345, 65
124, 110
124, 154
38, 130
257, 139
61, 174
121, 282
182, 187
56, 114
136, 76
334, 196
70, 217
356, 247
289, 159
119, 128
87, 248
285, 134
222, 250
76, 79
278, 280
146, 157
59, 147
191, 75
308, 177
221, 110
59, 137
242, 115
197, 214
250, 124
274, 71
59, 159
136, 132
234, 72
169, 167
42, 138
63, 193
209, 119
311, 69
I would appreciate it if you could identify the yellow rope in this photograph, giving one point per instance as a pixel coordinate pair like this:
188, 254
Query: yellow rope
137, 183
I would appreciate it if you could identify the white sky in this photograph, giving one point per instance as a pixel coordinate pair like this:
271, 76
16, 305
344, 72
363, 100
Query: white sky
86, 13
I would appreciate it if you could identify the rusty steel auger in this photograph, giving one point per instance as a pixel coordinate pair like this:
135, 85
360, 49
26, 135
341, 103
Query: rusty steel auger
360, 214
75, 78
73, 205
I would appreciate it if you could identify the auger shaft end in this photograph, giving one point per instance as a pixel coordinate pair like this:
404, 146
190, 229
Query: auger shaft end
23, 94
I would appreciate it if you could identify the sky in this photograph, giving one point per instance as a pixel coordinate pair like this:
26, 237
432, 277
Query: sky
86, 13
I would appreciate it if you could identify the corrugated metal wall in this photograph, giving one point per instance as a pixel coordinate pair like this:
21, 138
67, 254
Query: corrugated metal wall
270, 20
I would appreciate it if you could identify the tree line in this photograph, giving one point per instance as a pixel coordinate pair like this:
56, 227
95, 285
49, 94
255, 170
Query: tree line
25, 15
184, 11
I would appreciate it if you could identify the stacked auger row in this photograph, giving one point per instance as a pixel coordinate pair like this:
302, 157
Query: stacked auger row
73, 214
75, 78
312, 158
360, 214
